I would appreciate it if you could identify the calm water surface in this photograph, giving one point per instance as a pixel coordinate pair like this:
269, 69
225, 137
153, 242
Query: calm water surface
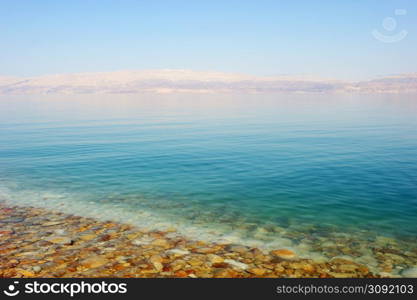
236, 167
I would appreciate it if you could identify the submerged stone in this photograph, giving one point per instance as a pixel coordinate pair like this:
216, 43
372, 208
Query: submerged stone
63, 240
237, 248
94, 261
283, 253
160, 243
52, 223
88, 237
205, 250
410, 272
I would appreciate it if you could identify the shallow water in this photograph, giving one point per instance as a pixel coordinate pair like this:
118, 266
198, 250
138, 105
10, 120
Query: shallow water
263, 169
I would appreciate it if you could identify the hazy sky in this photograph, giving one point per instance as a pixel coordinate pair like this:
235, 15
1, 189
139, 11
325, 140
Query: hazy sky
327, 38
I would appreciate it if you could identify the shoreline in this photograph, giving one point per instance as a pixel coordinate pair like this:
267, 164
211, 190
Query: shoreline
38, 242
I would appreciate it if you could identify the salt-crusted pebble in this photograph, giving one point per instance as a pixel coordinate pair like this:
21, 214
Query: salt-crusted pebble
177, 252
36, 269
236, 264
142, 241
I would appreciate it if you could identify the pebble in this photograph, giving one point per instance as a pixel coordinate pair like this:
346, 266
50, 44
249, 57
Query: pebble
158, 266
410, 272
257, 271
142, 241
283, 253
88, 237
178, 252
94, 261
46, 224
279, 269
156, 258
205, 250
224, 273
26, 273
6, 232
12, 220
160, 242
215, 259
348, 268
36, 269
236, 264
59, 240
237, 248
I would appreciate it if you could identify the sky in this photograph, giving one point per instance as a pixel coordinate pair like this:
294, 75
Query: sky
331, 39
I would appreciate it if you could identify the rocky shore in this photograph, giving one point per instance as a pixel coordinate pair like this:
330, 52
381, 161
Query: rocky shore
37, 242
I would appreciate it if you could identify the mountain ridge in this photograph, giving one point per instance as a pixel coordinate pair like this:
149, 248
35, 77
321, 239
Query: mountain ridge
174, 80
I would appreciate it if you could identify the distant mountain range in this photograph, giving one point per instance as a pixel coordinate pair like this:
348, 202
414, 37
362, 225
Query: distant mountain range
171, 81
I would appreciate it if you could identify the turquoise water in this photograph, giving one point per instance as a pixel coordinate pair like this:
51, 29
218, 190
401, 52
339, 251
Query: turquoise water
238, 166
